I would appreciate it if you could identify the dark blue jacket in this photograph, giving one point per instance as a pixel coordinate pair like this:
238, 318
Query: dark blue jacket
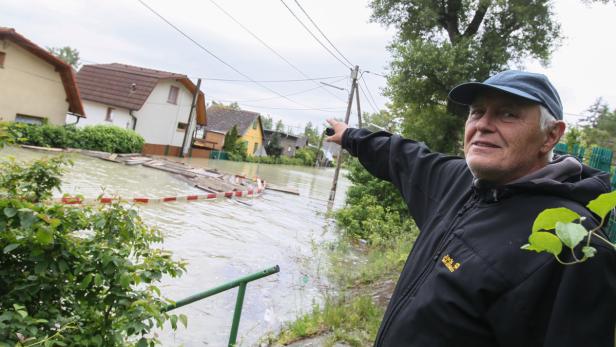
466, 281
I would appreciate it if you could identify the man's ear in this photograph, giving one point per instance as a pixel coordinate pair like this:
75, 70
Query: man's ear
553, 135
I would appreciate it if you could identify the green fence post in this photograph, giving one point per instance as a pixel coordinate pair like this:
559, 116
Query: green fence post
237, 314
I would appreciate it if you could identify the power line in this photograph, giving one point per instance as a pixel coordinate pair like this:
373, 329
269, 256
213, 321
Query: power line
313, 35
374, 73
269, 47
273, 81
322, 33
368, 89
214, 55
290, 94
329, 110
366, 97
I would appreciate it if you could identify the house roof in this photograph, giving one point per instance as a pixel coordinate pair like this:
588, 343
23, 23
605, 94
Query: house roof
222, 119
65, 70
300, 141
129, 86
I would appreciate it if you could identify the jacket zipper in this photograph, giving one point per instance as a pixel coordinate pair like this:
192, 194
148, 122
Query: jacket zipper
424, 273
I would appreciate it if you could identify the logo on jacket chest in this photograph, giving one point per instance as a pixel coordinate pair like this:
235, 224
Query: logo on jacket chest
450, 264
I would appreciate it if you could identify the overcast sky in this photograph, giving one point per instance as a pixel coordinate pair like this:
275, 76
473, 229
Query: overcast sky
582, 69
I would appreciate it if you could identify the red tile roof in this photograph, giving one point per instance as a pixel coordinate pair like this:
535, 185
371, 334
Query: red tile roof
129, 86
66, 71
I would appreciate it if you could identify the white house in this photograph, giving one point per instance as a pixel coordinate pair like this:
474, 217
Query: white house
35, 86
156, 104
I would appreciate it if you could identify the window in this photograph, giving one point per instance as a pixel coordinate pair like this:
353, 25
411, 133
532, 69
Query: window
22, 118
173, 95
254, 150
109, 117
254, 124
182, 126
2, 55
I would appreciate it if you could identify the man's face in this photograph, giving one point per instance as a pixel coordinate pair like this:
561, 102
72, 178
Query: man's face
503, 140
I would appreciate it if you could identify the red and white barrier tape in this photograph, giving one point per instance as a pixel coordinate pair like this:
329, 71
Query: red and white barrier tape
251, 192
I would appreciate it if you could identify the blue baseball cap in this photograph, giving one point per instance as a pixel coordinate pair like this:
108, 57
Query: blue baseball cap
527, 85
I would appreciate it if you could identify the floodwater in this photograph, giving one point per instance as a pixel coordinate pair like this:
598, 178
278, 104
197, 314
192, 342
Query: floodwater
226, 239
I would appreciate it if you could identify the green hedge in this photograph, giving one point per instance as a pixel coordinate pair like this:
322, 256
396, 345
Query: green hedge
107, 138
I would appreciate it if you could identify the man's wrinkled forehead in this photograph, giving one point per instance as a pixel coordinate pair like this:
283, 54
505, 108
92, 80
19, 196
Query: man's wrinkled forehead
500, 98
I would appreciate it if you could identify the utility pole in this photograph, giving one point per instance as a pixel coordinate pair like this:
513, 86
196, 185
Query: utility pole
332, 193
188, 134
358, 107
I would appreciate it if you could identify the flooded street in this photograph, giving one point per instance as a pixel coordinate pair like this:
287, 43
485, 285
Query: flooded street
225, 239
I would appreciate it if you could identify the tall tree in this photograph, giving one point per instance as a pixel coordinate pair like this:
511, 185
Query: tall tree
231, 140
66, 54
312, 133
440, 44
232, 106
279, 126
268, 122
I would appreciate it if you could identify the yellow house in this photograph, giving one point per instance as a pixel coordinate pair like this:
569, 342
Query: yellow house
35, 86
221, 119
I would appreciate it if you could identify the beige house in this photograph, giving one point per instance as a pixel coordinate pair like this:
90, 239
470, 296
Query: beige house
35, 86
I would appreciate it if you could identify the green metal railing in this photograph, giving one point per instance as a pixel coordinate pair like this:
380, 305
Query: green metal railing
239, 302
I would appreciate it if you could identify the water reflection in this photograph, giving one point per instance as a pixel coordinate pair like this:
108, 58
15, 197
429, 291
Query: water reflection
223, 240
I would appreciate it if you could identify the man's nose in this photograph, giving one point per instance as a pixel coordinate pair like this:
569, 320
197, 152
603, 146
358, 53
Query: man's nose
487, 121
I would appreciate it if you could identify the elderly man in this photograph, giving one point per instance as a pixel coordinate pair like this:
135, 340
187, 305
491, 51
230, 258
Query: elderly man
466, 281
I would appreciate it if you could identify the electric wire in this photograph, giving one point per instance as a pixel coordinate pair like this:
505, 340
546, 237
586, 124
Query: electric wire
366, 97
271, 81
313, 35
368, 90
214, 55
270, 48
290, 94
322, 33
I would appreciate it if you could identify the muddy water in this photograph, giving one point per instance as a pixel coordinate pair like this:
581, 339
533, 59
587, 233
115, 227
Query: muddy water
223, 240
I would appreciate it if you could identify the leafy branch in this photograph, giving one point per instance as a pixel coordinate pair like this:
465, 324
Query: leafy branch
568, 230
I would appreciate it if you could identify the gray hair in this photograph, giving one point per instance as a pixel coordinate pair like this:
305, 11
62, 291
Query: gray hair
546, 122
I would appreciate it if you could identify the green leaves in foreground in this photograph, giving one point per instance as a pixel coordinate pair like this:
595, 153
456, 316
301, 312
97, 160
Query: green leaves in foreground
568, 233
603, 204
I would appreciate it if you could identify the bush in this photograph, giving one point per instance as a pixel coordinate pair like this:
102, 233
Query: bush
107, 138
75, 276
374, 209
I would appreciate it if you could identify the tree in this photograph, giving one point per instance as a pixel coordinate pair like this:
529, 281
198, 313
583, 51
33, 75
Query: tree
267, 122
599, 127
66, 54
312, 133
279, 126
440, 44
273, 147
231, 140
231, 106
383, 119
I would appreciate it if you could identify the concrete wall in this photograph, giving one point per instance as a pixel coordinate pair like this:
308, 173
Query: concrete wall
157, 120
254, 137
30, 86
96, 113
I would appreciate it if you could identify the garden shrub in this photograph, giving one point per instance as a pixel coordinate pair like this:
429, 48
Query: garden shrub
75, 276
107, 138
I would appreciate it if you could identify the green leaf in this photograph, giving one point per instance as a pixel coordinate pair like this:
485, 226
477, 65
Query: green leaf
174, 322
44, 236
86, 281
10, 247
142, 343
10, 212
40, 267
62, 265
544, 241
571, 234
184, 320
26, 219
603, 204
547, 219
125, 280
589, 251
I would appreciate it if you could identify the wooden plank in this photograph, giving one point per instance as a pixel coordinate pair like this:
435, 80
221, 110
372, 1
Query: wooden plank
288, 190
